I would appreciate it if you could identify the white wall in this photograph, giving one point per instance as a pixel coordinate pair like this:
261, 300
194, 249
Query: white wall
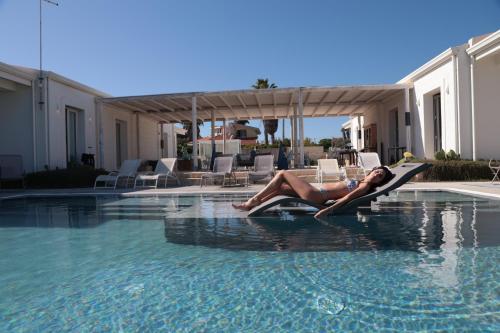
16, 124
148, 146
439, 80
108, 121
149, 135
487, 107
61, 96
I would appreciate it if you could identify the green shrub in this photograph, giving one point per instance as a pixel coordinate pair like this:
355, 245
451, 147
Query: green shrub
452, 156
81, 176
456, 170
440, 155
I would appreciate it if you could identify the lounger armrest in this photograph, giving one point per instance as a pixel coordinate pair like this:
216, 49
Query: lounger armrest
113, 173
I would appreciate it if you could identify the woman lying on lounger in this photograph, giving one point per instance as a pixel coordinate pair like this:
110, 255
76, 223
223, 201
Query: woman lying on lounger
286, 183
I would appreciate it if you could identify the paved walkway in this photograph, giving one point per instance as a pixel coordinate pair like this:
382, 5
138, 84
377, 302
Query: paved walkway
473, 188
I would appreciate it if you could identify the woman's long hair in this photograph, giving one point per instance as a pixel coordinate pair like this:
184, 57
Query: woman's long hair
388, 175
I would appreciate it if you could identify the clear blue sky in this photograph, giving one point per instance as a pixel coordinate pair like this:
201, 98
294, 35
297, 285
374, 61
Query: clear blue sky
160, 46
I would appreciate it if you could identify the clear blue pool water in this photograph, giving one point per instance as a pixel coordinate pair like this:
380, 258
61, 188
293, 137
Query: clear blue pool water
418, 261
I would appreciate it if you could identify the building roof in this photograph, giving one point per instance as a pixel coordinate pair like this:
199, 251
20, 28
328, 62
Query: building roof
259, 103
28, 74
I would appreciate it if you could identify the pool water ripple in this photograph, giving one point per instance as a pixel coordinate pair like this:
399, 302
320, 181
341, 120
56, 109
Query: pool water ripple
415, 262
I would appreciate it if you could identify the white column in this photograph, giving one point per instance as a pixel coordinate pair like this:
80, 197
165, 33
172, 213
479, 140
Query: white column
359, 135
212, 127
473, 108
137, 142
99, 149
301, 130
194, 127
408, 120
162, 140
224, 136
293, 123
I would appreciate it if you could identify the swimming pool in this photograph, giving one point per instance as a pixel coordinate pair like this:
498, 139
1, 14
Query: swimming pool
416, 261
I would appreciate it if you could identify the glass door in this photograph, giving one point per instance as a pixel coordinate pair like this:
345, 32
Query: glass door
121, 142
71, 136
436, 117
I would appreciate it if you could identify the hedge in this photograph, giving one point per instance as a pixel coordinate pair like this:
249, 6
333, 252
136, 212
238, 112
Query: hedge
81, 176
456, 170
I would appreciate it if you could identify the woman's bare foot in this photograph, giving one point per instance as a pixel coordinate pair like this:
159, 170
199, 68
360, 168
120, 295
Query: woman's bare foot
251, 203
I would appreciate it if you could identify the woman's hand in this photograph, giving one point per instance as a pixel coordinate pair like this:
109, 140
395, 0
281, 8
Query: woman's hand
322, 214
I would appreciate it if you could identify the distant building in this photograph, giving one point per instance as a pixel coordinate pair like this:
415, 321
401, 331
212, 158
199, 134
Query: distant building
246, 134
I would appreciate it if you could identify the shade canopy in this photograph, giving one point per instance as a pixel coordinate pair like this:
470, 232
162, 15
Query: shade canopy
258, 103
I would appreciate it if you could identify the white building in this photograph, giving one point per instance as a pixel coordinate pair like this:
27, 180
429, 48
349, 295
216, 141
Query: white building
454, 105
53, 121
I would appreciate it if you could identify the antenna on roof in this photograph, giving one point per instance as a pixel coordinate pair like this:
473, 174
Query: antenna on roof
41, 101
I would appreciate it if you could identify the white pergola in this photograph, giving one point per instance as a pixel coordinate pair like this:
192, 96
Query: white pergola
279, 103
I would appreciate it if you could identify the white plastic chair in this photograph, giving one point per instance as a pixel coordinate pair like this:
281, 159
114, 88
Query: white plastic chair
263, 168
328, 168
165, 169
127, 172
368, 161
495, 170
223, 167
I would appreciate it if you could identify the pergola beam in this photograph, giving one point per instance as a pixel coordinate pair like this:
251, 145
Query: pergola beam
322, 100
244, 105
228, 106
259, 104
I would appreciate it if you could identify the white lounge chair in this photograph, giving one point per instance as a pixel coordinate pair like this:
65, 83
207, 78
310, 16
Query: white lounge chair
11, 168
127, 172
263, 168
495, 169
368, 161
223, 167
165, 169
328, 168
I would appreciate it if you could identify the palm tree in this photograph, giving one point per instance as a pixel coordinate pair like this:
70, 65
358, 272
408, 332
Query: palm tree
271, 125
189, 129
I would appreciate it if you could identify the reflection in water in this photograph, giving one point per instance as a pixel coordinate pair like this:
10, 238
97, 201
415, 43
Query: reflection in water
410, 221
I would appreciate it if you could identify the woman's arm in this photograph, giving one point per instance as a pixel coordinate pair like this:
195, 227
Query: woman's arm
361, 190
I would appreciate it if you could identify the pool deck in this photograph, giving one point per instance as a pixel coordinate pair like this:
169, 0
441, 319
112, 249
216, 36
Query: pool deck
487, 189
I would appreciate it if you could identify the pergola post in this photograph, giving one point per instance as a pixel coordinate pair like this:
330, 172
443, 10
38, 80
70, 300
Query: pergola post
293, 124
408, 120
359, 133
99, 143
137, 134
473, 108
194, 130
301, 130
212, 128
224, 136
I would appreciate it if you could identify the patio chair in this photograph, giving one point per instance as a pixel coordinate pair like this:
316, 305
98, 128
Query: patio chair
223, 168
165, 169
368, 161
127, 172
263, 168
328, 168
495, 169
402, 173
11, 168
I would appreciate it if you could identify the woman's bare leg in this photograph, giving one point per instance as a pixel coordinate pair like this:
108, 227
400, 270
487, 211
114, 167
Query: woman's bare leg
296, 185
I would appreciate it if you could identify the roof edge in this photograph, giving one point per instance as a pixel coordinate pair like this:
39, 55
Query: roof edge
484, 44
432, 64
